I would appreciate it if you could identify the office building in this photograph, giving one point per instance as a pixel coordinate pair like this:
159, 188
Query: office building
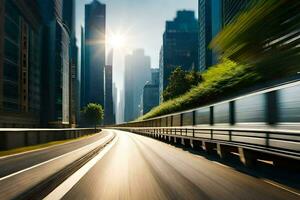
20, 63
213, 16
137, 73
56, 65
232, 8
92, 78
82, 71
151, 92
210, 24
69, 21
180, 45
109, 104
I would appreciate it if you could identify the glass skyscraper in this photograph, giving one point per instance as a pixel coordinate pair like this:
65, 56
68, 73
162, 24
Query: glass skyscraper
92, 76
180, 46
56, 80
137, 73
213, 16
210, 23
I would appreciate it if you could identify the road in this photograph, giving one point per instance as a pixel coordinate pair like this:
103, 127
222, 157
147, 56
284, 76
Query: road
15, 163
22, 174
138, 167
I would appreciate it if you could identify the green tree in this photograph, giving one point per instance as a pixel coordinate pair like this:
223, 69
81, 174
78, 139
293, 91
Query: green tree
93, 114
181, 82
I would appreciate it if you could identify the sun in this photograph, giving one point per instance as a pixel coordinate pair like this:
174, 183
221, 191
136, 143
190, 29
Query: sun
117, 40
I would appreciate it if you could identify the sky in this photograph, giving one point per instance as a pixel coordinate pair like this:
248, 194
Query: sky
141, 22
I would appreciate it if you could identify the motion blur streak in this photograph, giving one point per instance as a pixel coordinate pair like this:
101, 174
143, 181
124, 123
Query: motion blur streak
138, 167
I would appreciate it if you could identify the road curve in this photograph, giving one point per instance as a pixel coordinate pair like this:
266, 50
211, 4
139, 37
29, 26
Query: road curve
138, 167
14, 163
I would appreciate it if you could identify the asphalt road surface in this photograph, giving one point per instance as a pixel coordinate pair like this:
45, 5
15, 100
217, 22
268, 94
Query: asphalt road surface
141, 168
14, 163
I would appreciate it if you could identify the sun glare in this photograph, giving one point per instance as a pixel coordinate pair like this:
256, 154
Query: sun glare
117, 40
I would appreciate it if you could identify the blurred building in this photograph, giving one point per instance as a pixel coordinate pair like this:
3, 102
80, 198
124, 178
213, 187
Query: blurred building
151, 92
115, 102
20, 63
92, 76
69, 22
56, 65
109, 104
232, 8
82, 71
180, 45
210, 24
137, 73
213, 16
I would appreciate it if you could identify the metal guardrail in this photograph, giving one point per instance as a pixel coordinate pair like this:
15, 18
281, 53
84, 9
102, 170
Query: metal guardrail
284, 143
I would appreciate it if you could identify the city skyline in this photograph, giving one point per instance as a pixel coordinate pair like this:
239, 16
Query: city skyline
119, 19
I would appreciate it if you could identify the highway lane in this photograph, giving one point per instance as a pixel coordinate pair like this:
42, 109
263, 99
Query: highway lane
36, 180
139, 167
14, 163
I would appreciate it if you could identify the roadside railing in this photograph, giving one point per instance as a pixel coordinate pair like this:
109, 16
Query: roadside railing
284, 143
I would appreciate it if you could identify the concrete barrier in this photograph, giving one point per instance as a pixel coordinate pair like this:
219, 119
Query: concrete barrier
16, 138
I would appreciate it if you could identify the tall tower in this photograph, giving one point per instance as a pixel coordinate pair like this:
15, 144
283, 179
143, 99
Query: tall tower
180, 45
56, 66
109, 104
137, 73
94, 53
69, 21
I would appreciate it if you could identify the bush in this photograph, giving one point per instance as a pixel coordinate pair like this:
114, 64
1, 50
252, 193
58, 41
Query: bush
180, 82
218, 81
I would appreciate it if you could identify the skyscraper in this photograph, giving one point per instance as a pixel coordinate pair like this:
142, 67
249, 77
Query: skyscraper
137, 73
92, 78
56, 62
69, 21
109, 104
82, 71
232, 8
213, 16
20, 64
151, 92
210, 24
180, 45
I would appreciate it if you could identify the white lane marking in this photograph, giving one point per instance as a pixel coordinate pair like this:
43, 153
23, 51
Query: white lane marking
41, 149
68, 184
281, 187
71, 152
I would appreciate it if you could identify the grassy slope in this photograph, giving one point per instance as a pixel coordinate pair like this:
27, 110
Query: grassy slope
218, 81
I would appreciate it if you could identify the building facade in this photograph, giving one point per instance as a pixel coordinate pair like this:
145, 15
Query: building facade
232, 8
56, 62
137, 73
69, 22
92, 78
180, 45
151, 92
210, 24
109, 103
213, 16
20, 64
